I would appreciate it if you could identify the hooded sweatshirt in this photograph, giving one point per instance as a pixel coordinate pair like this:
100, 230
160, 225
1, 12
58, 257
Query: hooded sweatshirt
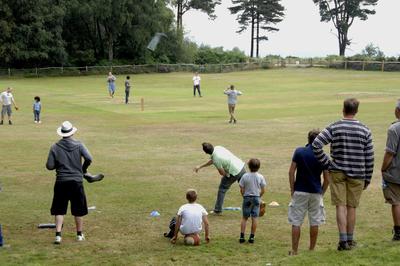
65, 157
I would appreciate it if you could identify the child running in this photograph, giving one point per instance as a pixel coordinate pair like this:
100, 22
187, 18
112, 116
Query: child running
232, 100
252, 187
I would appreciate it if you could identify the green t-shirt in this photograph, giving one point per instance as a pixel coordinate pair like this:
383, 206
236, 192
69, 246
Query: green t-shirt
222, 158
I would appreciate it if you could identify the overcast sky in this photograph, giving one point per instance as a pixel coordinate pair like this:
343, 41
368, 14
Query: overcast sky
301, 32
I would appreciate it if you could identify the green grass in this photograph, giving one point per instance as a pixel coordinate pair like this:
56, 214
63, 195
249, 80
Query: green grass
148, 158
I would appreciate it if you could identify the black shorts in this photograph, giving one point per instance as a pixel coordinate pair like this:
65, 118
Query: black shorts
69, 191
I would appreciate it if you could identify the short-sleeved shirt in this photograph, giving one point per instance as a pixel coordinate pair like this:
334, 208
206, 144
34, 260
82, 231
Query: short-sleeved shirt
232, 96
127, 85
224, 159
252, 184
111, 79
308, 172
37, 106
392, 174
6, 98
196, 80
192, 218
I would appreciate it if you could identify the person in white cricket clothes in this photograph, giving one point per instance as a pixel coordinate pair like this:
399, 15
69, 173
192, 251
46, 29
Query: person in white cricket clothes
190, 218
232, 100
7, 99
196, 84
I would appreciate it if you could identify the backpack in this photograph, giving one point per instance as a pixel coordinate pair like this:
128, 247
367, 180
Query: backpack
172, 225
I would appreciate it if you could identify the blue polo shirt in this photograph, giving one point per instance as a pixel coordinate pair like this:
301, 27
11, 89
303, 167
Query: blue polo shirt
308, 172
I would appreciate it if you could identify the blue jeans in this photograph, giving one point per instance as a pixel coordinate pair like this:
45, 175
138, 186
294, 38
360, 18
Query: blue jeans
36, 115
251, 206
111, 88
225, 184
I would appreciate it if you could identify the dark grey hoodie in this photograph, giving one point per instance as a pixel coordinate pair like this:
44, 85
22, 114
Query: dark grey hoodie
66, 158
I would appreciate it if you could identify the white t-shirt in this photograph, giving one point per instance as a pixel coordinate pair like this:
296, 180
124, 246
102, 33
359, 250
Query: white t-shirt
196, 80
232, 96
192, 218
6, 98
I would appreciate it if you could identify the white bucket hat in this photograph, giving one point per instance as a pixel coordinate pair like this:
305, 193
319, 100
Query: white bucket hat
66, 129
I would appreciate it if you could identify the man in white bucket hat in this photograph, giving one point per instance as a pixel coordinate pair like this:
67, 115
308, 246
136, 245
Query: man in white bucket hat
65, 157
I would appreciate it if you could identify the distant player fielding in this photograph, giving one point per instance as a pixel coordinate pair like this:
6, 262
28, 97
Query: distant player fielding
232, 100
196, 84
7, 99
111, 84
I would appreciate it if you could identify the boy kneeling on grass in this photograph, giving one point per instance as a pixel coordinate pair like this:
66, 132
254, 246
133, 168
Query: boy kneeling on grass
252, 187
190, 218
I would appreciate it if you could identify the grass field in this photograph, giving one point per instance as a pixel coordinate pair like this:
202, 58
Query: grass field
148, 158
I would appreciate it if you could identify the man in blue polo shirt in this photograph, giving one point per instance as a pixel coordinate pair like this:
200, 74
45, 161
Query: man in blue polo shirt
306, 192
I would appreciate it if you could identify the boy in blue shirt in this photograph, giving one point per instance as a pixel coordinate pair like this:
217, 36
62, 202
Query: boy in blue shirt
37, 107
252, 187
306, 192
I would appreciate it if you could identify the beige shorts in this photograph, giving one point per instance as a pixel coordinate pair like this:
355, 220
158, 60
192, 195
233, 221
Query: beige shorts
391, 192
345, 191
303, 202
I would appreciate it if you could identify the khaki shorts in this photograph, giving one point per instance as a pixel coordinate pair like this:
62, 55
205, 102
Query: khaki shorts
391, 192
345, 191
303, 202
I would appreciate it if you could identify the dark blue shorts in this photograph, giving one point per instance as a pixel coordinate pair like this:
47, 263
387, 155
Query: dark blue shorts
251, 206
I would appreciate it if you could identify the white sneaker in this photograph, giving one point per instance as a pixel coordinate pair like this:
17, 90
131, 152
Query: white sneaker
35, 122
57, 241
40, 122
80, 238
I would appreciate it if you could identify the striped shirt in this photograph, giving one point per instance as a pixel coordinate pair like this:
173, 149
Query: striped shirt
352, 151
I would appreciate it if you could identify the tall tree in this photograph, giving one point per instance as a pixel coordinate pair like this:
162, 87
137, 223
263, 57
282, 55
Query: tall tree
372, 51
269, 12
342, 13
81, 32
257, 14
31, 33
113, 15
105, 29
246, 10
182, 6
147, 18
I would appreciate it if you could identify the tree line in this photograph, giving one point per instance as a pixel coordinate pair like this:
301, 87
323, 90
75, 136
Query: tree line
72, 32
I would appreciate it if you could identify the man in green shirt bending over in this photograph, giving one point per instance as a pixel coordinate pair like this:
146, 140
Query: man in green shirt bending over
230, 167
